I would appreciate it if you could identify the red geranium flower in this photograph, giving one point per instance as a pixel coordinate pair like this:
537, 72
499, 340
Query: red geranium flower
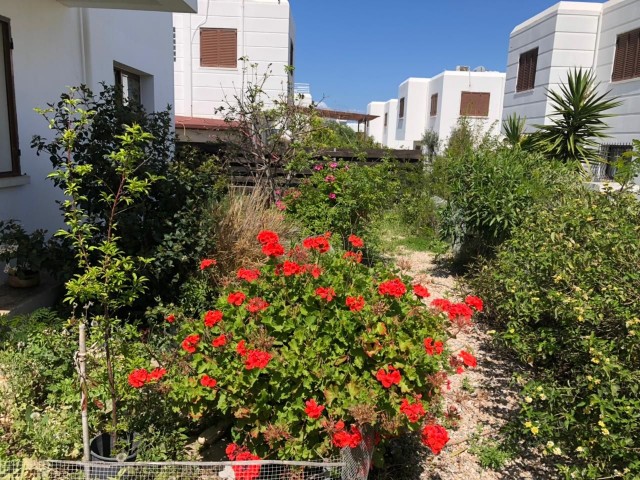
432, 347
314, 270
326, 293
355, 304
257, 305
474, 302
257, 359
313, 410
273, 250
388, 377
353, 256
207, 262
342, 438
442, 304
421, 291
319, 243
231, 450
171, 318
156, 374
246, 472
207, 381
356, 241
212, 317
435, 437
220, 341
241, 348
266, 237
236, 298
392, 288
462, 310
291, 268
413, 411
248, 275
138, 377
468, 359
190, 343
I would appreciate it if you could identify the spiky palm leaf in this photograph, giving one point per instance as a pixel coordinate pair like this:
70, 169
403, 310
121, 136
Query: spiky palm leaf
513, 127
577, 121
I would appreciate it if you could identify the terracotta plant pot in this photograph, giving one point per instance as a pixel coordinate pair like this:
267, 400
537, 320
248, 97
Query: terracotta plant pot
24, 281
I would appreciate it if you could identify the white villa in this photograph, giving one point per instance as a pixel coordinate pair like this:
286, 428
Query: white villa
210, 46
437, 104
602, 36
48, 45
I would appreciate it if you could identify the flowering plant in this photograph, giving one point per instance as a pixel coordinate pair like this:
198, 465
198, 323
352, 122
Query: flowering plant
23, 253
318, 349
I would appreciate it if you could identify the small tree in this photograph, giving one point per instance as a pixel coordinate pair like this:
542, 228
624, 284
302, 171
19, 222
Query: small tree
431, 144
577, 121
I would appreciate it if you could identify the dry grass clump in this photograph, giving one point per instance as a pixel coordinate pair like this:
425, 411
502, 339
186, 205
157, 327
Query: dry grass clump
240, 218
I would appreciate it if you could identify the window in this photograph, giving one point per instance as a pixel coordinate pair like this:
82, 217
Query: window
291, 53
527, 70
626, 63
219, 47
9, 149
401, 108
434, 105
128, 84
386, 119
475, 104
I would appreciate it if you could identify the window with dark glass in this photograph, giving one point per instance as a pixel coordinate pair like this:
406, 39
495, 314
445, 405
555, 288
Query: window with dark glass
9, 149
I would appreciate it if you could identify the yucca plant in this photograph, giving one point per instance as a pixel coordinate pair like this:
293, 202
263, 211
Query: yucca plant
513, 128
577, 121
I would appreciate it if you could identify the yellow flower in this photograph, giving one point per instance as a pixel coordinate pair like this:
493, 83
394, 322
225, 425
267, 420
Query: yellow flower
557, 451
595, 360
543, 396
535, 430
528, 399
550, 444
580, 449
528, 424
605, 431
601, 423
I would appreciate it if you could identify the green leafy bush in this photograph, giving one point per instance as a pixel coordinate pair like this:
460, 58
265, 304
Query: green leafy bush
564, 294
311, 350
341, 198
488, 192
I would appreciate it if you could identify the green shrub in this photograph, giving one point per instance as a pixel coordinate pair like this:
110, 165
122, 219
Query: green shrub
341, 198
564, 294
488, 192
313, 326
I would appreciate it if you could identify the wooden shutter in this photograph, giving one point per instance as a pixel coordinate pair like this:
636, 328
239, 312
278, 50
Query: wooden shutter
626, 61
434, 105
475, 104
401, 108
9, 91
219, 47
386, 119
527, 67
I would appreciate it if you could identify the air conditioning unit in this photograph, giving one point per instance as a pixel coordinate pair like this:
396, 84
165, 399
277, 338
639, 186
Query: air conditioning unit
480, 69
462, 68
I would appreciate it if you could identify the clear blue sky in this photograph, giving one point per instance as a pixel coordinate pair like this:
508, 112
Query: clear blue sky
353, 52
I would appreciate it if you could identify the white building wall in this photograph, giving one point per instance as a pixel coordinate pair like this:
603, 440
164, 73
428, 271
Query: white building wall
376, 126
389, 132
47, 58
265, 34
411, 128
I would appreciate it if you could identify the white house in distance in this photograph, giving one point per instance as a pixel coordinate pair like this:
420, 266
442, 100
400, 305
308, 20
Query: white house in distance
209, 47
437, 104
48, 45
604, 37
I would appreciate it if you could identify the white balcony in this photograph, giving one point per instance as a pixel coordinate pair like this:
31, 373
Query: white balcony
183, 6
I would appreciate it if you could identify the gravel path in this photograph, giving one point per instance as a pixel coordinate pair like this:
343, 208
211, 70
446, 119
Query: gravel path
483, 396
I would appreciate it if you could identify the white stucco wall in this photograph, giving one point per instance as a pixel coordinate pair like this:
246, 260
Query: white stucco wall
376, 126
47, 58
389, 132
265, 32
410, 129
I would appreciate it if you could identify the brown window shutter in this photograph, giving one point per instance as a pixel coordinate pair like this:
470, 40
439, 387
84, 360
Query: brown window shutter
626, 60
401, 108
433, 111
527, 67
475, 104
219, 47
9, 91
386, 119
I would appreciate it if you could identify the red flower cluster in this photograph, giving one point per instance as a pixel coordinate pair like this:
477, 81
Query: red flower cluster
392, 288
291, 268
355, 304
413, 411
353, 256
474, 302
435, 437
241, 454
257, 359
433, 348
171, 318
207, 381
190, 343
326, 293
421, 291
212, 317
138, 378
257, 305
389, 377
270, 243
441, 304
319, 243
314, 270
248, 275
312, 409
220, 341
342, 438
206, 263
457, 310
236, 298
356, 241
468, 359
